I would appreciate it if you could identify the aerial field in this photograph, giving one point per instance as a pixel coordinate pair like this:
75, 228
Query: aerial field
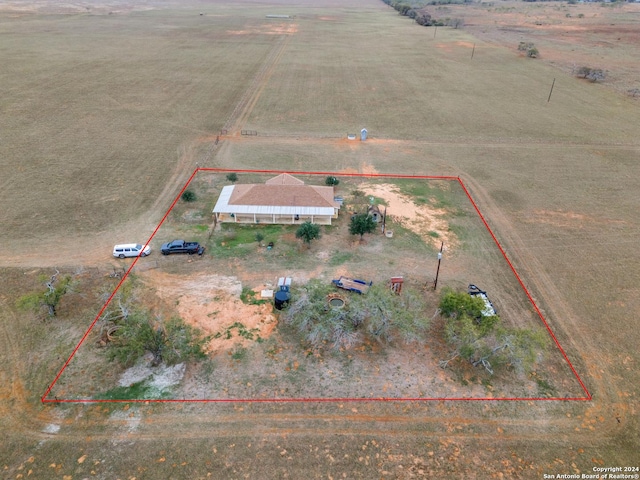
252, 353
108, 109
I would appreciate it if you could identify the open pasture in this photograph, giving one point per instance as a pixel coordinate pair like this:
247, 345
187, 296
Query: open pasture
254, 356
105, 117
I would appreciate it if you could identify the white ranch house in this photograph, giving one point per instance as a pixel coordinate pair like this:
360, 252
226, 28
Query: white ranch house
283, 199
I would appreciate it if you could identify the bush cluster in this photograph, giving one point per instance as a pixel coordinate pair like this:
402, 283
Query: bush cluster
483, 340
592, 74
529, 48
379, 315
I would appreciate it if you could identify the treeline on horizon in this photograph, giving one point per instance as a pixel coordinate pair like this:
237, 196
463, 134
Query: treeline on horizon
416, 10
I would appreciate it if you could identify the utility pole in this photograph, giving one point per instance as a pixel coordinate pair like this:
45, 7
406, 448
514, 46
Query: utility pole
384, 220
551, 91
435, 283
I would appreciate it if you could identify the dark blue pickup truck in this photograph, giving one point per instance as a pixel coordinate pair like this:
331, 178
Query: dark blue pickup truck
180, 246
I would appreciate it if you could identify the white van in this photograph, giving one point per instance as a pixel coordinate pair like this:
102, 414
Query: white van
131, 250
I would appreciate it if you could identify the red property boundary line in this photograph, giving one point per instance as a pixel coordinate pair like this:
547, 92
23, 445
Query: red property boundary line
587, 397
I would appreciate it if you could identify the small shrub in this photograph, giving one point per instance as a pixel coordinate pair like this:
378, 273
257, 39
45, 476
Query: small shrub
529, 48
189, 196
593, 74
596, 75
239, 352
232, 177
331, 181
136, 391
524, 46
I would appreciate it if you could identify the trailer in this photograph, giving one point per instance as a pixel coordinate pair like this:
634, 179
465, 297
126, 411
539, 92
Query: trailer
352, 284
489, 309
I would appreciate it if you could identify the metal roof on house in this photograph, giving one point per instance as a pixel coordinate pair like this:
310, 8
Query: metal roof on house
280, 195
223, 205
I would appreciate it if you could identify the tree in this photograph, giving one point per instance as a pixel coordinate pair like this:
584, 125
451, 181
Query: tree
308, 231
593, 74
456, 23
524, 46
596, 75
171, 342
583, 72
331, 181
359, 201
389, 317
362, 223
529, 48
129, 331
232, 177
380, 315
454, 304
402, 8
423, 18
49, 299
483, 340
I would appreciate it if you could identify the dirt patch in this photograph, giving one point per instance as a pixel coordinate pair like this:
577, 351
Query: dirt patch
160, 377
281, 29
212, 304
421, 219
568, 219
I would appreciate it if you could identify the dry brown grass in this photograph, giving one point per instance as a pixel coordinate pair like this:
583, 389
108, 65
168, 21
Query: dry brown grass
86, 96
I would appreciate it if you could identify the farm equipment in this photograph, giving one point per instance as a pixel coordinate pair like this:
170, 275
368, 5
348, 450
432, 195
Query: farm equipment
352, 284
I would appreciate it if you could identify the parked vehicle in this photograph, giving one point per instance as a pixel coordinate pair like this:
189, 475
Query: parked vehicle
180, 246
131, 250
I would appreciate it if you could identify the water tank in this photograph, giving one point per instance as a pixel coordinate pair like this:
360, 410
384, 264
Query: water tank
281, 299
